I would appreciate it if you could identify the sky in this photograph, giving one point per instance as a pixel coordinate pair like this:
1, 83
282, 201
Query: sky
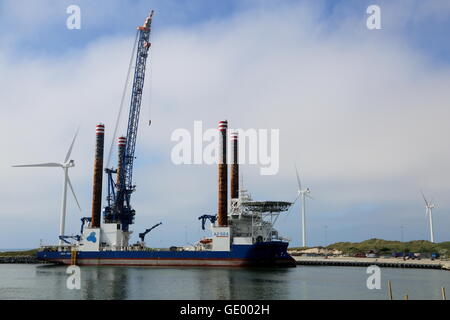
362, 113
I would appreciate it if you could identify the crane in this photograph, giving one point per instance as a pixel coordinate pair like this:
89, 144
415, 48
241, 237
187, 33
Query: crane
205, 217
119, 209
143, 234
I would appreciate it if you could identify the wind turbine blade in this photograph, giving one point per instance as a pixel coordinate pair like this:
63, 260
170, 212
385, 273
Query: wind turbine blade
298, 179
71, 146
50, 164
298, 196
424, 199
73, 192
292, 205
309, 196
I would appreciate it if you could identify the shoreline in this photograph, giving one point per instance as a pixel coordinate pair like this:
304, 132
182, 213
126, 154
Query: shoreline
27, 259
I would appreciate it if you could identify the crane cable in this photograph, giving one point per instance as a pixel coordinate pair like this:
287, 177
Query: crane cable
123, 99
149, 75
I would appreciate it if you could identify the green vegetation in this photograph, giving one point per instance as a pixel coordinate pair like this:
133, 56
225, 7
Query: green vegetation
19, 253
386, 247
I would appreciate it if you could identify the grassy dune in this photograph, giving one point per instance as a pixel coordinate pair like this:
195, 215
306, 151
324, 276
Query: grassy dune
388, 247
18, 253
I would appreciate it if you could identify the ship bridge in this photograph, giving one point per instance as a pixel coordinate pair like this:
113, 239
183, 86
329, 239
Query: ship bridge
253, 221
266, 206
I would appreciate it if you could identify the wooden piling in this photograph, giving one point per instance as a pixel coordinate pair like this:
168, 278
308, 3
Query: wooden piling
73, 258
390, 290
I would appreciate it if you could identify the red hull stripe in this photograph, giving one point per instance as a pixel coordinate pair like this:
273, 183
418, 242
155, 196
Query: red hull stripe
160, 265
196, 259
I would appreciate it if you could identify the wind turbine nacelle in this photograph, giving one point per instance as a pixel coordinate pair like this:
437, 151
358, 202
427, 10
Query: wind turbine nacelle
69, 164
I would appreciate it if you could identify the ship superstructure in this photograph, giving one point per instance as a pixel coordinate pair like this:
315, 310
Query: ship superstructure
249, 221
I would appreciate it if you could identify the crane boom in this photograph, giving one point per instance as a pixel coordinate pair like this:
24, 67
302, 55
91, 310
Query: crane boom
136, 98
143, 234
119, 209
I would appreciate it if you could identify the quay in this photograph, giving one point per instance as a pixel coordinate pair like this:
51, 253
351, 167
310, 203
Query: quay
365, 262
26, 259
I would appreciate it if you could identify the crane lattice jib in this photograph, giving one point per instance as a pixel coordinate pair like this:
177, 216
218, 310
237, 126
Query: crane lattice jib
136, 98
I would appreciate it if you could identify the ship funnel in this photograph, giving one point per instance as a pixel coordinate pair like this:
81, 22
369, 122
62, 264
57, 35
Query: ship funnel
234, 167
98, 175
222, 214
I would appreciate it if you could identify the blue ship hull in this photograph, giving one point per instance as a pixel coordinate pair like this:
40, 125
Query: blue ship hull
259, 254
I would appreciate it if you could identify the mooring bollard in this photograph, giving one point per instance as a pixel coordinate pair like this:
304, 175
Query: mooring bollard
390, 290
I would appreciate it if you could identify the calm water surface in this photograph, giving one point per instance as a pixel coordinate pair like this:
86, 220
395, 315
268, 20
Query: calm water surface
20, 281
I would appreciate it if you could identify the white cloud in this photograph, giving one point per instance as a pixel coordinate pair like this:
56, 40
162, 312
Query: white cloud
362, 114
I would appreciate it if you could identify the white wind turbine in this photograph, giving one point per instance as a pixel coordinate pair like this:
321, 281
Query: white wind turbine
429, 211
65, 166
303, 193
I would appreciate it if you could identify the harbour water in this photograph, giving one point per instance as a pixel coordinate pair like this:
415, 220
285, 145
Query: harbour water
21, 281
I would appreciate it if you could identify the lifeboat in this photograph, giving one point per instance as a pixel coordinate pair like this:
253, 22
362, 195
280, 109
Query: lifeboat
206, 241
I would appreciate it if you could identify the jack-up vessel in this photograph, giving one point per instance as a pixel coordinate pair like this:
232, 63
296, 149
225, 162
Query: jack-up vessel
242, 232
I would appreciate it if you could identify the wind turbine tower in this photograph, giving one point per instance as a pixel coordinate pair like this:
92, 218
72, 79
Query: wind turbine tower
303, 193
429, 206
